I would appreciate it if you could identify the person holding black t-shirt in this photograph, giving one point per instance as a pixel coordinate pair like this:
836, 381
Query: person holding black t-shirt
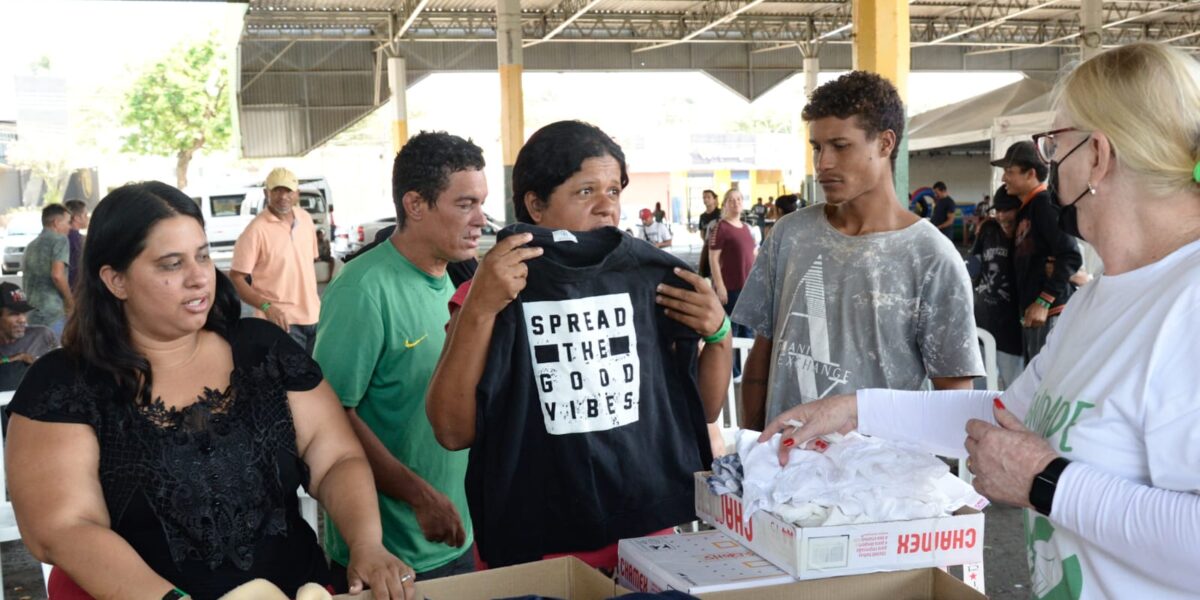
627, 309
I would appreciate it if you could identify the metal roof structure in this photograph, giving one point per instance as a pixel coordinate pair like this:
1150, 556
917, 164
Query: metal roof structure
310, 68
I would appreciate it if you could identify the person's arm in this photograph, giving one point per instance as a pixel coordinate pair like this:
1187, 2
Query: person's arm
950, 210
257, 299
953, 383
1156, 528
716, 241
54, 480
666, 234
340, 478
699, 310
58, 274
439, 519
755, 377
450, 398
945, 334
1062, 247
714, 262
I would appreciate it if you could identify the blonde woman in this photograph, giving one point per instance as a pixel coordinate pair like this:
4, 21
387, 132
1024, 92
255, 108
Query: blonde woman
1099, 439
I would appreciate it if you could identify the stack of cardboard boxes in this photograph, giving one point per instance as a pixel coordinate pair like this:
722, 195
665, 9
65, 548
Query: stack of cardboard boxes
762, 558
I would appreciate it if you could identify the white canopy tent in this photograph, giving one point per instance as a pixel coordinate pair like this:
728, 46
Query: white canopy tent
974, 120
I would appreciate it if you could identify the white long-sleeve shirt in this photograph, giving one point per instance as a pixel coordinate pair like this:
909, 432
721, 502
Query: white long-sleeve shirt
1117, 391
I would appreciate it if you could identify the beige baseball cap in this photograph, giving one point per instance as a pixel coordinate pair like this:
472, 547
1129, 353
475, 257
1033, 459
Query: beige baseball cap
281, 177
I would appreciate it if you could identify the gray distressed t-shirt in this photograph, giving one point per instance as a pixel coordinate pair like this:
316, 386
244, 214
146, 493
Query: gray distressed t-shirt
40, 255
884, 310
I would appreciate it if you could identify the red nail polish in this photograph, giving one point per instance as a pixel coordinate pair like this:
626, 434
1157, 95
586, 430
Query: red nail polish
821, 445
788, 442
998, 403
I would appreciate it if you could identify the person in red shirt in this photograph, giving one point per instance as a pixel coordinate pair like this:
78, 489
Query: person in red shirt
731, 253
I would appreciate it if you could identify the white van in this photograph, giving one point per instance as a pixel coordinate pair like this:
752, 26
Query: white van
224, 219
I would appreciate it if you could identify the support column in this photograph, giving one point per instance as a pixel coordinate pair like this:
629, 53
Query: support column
398, 82
512, 108
812, 68
1091, 20
881, 45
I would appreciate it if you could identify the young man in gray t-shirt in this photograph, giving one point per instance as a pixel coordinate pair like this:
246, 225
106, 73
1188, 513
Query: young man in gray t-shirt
857, 292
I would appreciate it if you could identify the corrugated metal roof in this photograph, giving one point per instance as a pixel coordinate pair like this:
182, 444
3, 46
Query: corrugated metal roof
310, 68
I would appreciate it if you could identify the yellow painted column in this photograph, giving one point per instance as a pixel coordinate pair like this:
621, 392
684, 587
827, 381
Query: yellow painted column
881, 45
510, 60
398, 82
812, 68
881, 40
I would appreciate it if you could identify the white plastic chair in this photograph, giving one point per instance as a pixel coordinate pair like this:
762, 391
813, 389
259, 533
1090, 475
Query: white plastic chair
308, 509
8, 519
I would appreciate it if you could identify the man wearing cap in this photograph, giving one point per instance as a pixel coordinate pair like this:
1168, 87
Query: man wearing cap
653, 231
20, 343
273, 259
1044, 258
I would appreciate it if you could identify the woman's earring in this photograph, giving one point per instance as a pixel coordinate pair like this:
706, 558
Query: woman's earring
1091, 190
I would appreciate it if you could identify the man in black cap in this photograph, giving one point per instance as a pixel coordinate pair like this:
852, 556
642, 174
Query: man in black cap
1044, 258
20, 343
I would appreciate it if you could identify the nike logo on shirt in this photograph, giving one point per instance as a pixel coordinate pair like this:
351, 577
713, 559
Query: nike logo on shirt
410, 345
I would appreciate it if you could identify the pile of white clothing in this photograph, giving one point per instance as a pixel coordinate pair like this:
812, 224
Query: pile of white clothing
857, 479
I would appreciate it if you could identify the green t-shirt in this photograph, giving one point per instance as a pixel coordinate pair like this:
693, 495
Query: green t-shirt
40, 255
382, 327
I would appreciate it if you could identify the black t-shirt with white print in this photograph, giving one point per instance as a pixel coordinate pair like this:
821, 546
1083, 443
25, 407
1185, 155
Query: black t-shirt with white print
589, 422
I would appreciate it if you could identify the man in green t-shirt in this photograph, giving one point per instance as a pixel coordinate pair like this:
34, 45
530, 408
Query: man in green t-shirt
45, 270
381, 330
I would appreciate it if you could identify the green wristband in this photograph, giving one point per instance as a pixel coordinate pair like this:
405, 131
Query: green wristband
719, 334
1045, 303
265, 306
4, 360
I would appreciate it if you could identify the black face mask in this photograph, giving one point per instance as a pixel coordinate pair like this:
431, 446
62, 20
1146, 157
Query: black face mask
1068, 216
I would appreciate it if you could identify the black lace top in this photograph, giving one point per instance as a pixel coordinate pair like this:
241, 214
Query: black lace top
205, 494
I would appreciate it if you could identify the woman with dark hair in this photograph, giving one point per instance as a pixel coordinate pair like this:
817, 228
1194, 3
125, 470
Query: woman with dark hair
160, 449
569, 176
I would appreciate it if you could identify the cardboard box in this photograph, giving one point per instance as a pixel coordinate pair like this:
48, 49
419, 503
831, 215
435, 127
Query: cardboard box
694, 563
568, 578
817, 552
919, 584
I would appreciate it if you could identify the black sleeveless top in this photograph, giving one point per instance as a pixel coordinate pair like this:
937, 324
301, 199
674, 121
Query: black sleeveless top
206, 494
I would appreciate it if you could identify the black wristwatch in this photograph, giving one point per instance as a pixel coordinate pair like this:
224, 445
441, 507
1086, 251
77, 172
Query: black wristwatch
1041, 494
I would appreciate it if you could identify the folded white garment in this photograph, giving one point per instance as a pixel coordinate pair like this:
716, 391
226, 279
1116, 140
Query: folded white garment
858, 479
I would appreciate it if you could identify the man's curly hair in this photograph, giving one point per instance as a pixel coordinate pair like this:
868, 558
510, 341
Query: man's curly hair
424, 165
873, 99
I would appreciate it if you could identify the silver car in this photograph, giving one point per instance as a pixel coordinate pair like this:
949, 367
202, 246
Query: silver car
22, 229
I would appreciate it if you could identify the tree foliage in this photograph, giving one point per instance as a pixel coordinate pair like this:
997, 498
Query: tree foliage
180, 105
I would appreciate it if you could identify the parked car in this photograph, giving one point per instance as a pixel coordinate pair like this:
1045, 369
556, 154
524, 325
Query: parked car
22, 229
224, 219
